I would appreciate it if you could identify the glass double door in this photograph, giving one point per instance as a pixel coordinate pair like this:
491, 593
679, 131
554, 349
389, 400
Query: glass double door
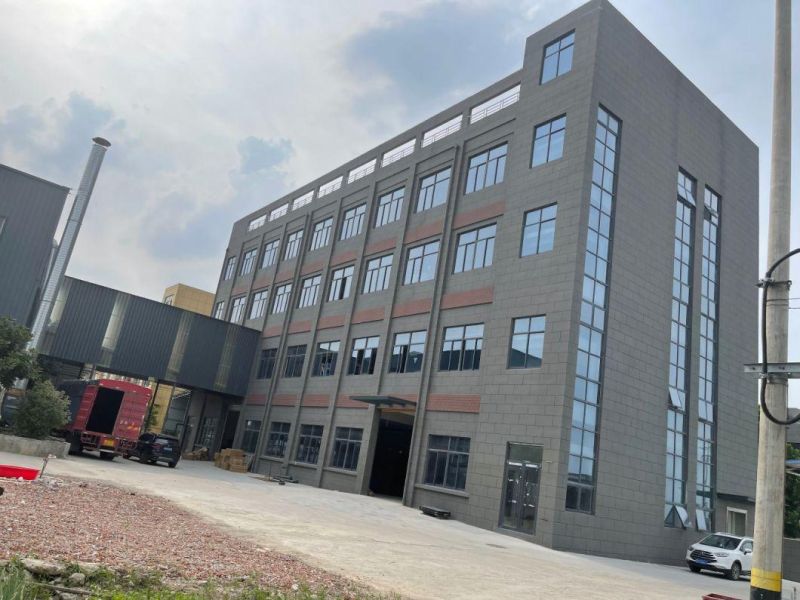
521, 492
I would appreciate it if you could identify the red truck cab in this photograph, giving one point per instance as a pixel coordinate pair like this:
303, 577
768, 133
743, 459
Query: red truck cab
105, 415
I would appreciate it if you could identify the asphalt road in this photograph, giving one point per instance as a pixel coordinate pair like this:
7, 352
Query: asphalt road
391, 547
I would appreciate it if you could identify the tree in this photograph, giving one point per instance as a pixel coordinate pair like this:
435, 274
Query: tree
16, 362
44, 410
791, 507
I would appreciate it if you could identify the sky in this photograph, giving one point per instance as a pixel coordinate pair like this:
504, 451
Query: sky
215, 109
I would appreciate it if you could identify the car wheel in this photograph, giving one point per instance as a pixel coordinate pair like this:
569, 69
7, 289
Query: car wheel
735, 572
172, 464
694, 568
107, 455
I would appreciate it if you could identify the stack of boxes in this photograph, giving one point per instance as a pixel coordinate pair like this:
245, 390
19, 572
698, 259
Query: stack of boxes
231, 459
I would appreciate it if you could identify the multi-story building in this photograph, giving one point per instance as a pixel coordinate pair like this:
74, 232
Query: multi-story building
531, 310
189, 298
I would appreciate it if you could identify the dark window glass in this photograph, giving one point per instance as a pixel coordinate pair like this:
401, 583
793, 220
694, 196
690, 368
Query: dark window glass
447, 461
527, 343
325, 359
277, 439
407, 352
266, 363
295, 357
461, 348
341, 282
250, 435
346, 447
363, 356
308, 444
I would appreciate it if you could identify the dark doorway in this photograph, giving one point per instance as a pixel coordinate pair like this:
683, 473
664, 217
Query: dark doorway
231, 421
105, 409
391, 457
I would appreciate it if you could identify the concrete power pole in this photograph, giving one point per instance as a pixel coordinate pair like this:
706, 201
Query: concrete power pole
765, 582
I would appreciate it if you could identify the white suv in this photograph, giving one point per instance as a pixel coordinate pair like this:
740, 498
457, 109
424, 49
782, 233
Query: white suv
722, 552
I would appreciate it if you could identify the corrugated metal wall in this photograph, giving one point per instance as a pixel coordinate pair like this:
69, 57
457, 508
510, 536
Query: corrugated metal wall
137, 337
31, 208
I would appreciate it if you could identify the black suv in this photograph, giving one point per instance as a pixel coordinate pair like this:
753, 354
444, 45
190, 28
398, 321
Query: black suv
154, 447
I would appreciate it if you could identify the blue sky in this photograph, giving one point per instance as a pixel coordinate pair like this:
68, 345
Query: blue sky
214, 109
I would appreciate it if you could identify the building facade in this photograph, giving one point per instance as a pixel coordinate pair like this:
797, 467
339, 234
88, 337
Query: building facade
531, 310
190, 298
30, 208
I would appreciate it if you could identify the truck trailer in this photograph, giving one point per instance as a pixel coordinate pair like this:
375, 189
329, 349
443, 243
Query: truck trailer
105, 415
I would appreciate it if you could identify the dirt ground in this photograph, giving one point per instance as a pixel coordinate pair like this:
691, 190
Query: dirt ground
391, 547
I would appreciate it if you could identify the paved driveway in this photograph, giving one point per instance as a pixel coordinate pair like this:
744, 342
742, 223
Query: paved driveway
392, 547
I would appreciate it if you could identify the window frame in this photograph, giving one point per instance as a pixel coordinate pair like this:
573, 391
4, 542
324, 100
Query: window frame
557, 54
294, 361
460, 465
353, 226
549, 135
219, 310
344, 436
382, 271
293, 242
327, 357
230, 268
277, 439
247, 436
344, 284
309, 294
309, 443
487, 249
266, 363
394, 206
321, 234
421, 203
498, 170
539, 223
270, 250
238, 309
249, 259
528, 334
462, 351
358, 356
262, 303
281, 299
400, 364
411, 274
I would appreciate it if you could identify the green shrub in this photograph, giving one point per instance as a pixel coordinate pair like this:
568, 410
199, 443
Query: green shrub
43, 410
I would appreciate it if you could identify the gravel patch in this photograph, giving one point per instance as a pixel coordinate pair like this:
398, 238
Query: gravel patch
71, 520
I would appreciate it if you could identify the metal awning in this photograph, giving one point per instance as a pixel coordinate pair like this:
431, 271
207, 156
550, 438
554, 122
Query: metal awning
384, 401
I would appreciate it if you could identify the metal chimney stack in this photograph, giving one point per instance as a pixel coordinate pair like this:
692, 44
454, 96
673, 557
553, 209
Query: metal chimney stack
73, 227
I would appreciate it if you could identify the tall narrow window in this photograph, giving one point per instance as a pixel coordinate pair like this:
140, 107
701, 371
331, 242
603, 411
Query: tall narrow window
548, 141
378, 272
433, 190
353, 221
295, 357
421, 263
309, 291
282, 295
308, 444
408, 352
293, 244
270, 253
475, 249
363, 356
277, 439
447, 461
230, 268
250, 435
341, 282
527, 343
219, 310
707, 367
266, 363
346, 448
675, 513
539, 231
321, 234
582, 470
258, 307
486, 169
248, 261
557, 57
237, 309
389, 207
325, 359
461, 348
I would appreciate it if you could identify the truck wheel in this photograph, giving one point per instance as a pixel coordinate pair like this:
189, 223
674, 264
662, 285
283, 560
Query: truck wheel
172, 464
107, 455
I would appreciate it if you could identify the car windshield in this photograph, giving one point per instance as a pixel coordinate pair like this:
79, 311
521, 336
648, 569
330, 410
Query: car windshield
721, 541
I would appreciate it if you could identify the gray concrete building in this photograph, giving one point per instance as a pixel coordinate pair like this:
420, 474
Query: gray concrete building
531, 310
30, 208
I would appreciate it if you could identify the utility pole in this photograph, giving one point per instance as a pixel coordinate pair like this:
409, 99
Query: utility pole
766, 578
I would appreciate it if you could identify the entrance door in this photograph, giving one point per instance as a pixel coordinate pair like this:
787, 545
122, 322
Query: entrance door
521, 493
228, 433
389, 464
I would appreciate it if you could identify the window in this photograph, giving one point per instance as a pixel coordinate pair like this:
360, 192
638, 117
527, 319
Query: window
363, 355
250, 435
259, 305
303, 200
309, 291
475, 249
308, 444
408, 351
279, 212
486, 169
281, 302
295, 357
346, 447
378, 272
206, 433
341, 282
321, 235
548, 141
331, 186
421, 263
169, 300
270, 253
539, 231
461, 348
293, 244
448, 458
230, 268
494, 104
237, 309
442, 131
219, 310
527, 342
325, 359
389, 206
257, 222
557, 57
277, 439
248, 261
2, 224
353, 221
266, 363
433, 190
399, 152
362, 171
